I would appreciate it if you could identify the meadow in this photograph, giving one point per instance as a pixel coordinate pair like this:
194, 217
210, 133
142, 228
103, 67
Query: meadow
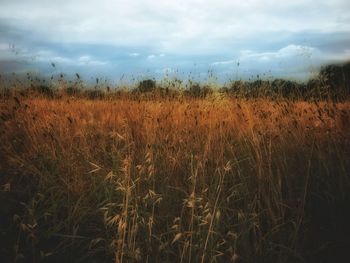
174, 177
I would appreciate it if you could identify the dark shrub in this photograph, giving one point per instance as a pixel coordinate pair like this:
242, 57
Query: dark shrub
238, 86
206, 91
5, 93
94, 94
195, 90
336, 76
313, 84
146, 85
72, 91
43, 90
224, 89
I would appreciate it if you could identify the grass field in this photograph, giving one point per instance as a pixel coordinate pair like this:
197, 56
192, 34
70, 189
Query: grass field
174, 179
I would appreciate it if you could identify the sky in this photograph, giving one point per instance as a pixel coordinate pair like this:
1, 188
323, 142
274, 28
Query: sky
183, 38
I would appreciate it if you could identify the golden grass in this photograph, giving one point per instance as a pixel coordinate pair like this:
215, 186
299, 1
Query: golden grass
181, 180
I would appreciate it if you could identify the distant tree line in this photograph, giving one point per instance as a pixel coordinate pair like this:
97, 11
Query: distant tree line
333, 81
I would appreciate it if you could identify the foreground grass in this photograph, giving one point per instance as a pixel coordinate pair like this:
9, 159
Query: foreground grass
174, 180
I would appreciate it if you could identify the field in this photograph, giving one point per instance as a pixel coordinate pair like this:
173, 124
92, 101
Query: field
140, 178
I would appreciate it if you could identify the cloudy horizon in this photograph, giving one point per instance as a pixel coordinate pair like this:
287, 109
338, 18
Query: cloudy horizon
150, 38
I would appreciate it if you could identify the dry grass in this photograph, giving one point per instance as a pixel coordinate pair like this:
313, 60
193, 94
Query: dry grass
173, 180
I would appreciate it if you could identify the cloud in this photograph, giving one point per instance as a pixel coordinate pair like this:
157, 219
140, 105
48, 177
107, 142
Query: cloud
152, 56
190, 26
261, 35
225, 62
134, 54
293, 61
87, 60
48, 56
4, 46
290, 51
165, 71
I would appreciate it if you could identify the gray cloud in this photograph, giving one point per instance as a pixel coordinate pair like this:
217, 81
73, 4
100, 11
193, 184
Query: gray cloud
131, 35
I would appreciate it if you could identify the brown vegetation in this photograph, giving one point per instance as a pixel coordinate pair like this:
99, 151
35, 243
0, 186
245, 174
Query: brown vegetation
136, 178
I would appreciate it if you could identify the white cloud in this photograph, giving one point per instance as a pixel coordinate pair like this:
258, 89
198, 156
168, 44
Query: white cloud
290, 61
152, 56
338, 57
289, 51
134, 54
225, 62
58, 59
4, 46
87, 60
223, 32
165, 71
47, 56
191, 26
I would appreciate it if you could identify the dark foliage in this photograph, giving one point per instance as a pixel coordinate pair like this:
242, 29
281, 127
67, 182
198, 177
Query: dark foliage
146, 85
336, 76
72, 91
43, 90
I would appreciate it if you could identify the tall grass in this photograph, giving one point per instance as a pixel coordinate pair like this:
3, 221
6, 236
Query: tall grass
148, 178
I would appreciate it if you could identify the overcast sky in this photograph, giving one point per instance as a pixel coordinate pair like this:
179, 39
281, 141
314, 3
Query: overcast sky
233, 39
